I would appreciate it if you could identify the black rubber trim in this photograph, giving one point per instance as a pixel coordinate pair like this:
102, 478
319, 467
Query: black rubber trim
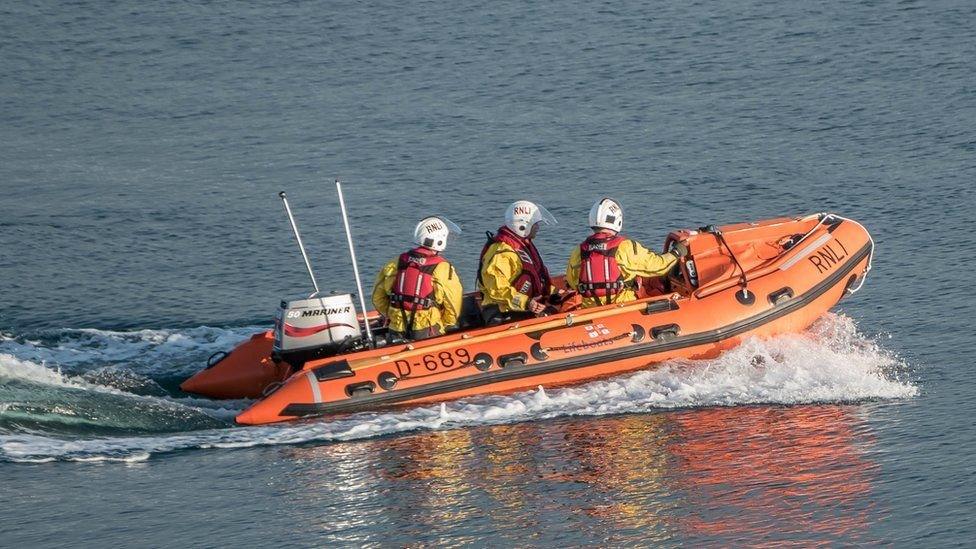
333, 370
775, 297
833, 224
483, 361
211, 362
387, 380
538, 353
505, 360
495, 376
353, 387
660, 307
660, 332
745, 296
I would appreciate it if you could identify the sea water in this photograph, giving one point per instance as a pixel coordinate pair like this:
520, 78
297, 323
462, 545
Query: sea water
140, 232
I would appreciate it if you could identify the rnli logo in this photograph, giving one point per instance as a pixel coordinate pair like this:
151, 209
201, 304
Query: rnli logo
523, 210
596, 336
418, 260
433, 226
827, 257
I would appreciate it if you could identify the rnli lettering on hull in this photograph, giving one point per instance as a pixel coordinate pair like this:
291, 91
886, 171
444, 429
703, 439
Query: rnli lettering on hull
827, 256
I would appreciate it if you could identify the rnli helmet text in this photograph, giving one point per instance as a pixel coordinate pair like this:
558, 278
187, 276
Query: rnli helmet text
433, 226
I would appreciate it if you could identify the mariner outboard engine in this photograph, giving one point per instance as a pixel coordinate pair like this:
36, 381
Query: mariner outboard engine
317, 327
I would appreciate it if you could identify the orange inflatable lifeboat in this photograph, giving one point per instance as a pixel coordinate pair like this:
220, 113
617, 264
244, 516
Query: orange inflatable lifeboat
749, 279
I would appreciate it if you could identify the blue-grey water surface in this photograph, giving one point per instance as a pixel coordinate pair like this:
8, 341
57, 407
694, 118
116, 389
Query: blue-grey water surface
143, 144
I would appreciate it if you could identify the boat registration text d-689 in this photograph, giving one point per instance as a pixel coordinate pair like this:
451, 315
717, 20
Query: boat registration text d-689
443, 360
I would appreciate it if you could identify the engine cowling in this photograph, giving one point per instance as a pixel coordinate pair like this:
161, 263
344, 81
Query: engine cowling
315, 327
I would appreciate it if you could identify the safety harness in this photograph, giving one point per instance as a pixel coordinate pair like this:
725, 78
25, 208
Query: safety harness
534, 279
413, 288
600, 275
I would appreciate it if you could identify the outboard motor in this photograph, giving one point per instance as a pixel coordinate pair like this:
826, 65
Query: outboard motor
318, 327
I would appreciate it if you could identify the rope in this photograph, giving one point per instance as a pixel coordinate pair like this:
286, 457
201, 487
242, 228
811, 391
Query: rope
867, 269
611, 340
745, 281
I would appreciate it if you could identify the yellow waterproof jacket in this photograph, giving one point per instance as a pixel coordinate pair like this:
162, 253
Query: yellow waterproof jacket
499, 271
447, 296
633, 259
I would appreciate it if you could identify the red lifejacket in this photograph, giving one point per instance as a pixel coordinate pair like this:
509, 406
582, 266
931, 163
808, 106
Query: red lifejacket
534, 280
600, 274
413, 288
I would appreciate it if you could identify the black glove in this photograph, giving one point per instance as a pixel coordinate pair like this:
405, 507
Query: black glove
679, 249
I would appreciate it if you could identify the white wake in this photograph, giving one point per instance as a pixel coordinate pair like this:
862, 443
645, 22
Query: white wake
830, 363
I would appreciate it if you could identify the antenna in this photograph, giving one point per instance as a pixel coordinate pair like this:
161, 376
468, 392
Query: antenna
355, 266
301, 245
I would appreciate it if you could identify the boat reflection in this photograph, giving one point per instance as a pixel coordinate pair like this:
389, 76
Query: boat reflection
774, 474
725, 475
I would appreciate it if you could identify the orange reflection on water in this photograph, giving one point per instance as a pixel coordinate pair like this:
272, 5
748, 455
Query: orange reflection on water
743, 475
772, 474
624, 462
440, 463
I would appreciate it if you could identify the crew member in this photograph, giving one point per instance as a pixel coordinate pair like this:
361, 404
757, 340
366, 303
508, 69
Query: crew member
419, 292
512, 277
604, 268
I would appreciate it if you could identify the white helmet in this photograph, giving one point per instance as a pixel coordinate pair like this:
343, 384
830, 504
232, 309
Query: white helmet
607, 214
522, 215
432, 232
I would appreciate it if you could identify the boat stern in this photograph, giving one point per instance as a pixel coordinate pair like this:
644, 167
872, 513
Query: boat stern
245, 372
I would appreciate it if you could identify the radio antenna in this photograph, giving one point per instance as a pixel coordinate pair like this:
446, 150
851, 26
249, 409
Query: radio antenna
355, 266
301, 245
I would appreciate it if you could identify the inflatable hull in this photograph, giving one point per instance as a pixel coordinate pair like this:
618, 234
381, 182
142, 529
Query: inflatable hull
248, 371
795, 270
